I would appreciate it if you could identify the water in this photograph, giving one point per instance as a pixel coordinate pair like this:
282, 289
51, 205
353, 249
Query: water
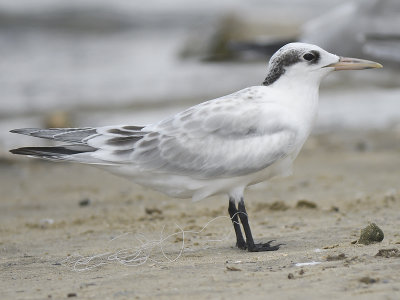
105, 62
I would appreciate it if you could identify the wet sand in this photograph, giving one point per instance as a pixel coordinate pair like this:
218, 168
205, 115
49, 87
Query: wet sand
52, 212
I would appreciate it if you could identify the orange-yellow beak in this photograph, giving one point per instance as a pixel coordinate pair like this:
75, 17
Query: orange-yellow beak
348, 63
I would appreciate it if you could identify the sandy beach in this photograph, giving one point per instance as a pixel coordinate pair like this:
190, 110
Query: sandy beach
54, 215
75, 231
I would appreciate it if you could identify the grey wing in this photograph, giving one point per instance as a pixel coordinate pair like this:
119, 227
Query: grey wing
216, 139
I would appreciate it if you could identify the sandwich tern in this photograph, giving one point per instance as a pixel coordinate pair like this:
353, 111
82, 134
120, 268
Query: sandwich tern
217, 147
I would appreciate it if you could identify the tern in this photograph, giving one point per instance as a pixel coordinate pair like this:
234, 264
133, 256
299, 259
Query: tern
220, 146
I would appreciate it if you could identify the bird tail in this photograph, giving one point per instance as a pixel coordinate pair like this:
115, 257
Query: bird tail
77, 136
109, 145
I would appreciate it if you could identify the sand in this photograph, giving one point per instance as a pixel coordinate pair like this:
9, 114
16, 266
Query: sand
53, 212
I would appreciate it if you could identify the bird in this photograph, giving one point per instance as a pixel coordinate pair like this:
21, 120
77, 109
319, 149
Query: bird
220, 146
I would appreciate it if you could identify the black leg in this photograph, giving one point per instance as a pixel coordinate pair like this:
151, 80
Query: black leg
233, 212
251, 246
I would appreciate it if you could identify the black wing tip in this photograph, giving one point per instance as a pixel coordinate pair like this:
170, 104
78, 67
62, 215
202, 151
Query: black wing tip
32, 152
46, 151
14, 151
22, 151
27, 151
19, 130
23, 130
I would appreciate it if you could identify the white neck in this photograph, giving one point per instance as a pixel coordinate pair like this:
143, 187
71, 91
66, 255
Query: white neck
300, 94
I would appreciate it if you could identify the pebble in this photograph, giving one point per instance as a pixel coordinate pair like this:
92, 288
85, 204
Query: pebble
371, 234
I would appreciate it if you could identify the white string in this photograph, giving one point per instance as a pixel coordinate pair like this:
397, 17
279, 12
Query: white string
137, 256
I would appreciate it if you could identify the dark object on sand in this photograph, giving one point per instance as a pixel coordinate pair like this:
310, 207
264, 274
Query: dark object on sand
84, 202
371, 234
368, 280
341, 256
388, 253
306, 204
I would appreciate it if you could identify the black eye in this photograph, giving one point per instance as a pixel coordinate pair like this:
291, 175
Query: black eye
309, 56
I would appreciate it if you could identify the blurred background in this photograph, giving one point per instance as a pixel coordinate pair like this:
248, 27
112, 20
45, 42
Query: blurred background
70, 63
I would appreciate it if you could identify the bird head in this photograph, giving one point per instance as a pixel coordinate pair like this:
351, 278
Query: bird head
310, 62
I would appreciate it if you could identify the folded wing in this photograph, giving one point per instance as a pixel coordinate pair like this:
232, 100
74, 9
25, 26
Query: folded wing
219, 138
